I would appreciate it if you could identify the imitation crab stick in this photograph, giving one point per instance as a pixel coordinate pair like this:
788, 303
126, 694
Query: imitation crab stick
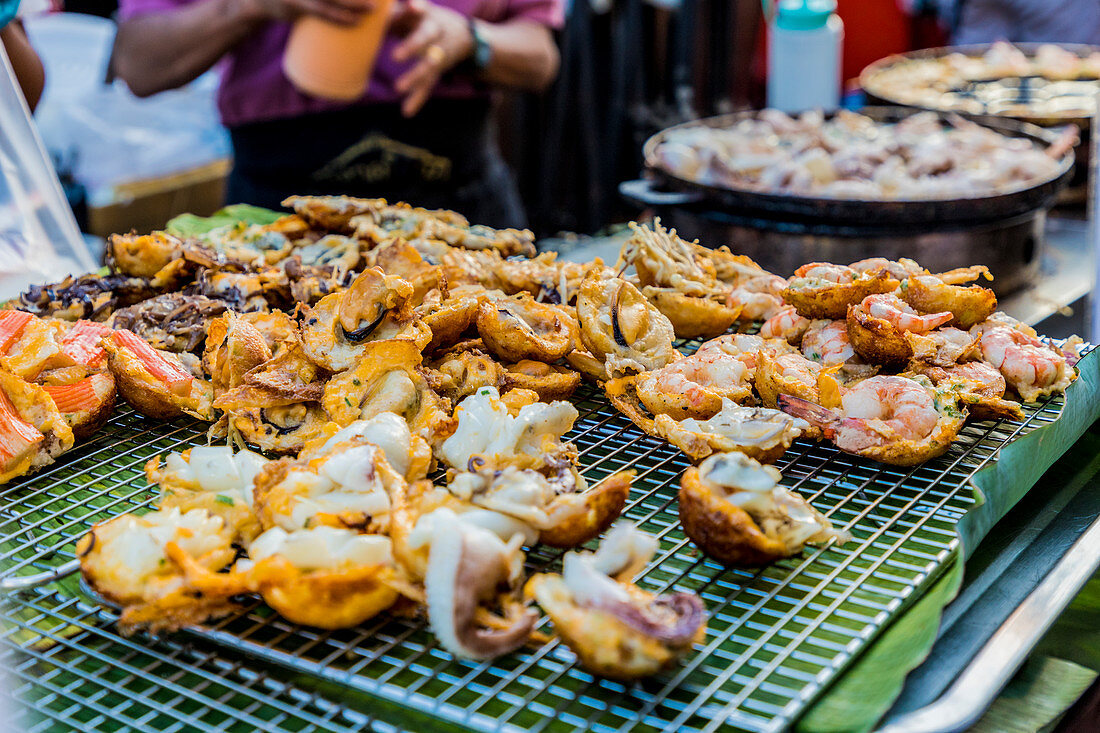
12, 324
82, 343
84, 396
19, 440
174, 376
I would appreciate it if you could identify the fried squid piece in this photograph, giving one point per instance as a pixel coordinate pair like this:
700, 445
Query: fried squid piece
33, 432
561, 511
735, 510
519, 328
325, 577
621, 328
214, 479
162, 567
515, 430
615, 628
388, 378
472, 581
408, 454
346, 485
155, 383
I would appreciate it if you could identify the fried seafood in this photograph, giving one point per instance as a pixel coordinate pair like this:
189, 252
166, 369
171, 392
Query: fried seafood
549, 381
561, 511
85, 404
155, 383
615, 628
980, 387
789, 374
346, 485
828, 343
407, 453
785, 324
759, 432
943, 347
895, 420
88, 296
325, 577
270, 421
968, 305
694, 386
170, 322
142, 255
747, 348
519, 327
464, 369
471, 585
878, 325
735, 510
374, 308
526, 434
243, 292
398, 257
162, 567
82, 345
213, 479
621, 328
333, 213
33, 432
823, 290
387, 378
233, 348
1032, 368
28, 345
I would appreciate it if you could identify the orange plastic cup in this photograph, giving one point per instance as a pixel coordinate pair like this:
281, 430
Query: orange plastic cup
326, 60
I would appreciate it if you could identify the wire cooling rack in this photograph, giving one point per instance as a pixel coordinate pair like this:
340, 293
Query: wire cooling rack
776, 636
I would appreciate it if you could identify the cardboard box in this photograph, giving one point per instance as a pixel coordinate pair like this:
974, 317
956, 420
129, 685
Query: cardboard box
148, 204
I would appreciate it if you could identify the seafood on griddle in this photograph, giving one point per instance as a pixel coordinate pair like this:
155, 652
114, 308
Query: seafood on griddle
622, 329
519, 327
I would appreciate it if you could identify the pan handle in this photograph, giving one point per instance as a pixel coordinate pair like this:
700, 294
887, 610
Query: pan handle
642, 191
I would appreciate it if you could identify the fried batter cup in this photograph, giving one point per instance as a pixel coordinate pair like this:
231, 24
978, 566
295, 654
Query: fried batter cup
326, 60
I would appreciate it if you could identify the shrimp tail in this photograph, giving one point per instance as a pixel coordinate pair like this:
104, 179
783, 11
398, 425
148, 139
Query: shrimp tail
816, 415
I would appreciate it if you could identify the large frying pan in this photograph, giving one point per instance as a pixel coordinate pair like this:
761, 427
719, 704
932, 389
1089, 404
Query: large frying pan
861, 213
876, 95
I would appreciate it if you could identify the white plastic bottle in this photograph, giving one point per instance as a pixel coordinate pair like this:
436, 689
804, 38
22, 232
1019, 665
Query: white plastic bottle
804, 54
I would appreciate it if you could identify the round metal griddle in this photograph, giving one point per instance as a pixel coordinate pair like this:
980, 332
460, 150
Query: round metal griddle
876, 95
863, 212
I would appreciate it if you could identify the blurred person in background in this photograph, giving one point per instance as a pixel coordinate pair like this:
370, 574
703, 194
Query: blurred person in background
422, 132
24, 61
1021, 21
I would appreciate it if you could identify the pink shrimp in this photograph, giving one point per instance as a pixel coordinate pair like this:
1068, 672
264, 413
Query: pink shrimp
785, 324
826, 271
890, 307
827, 342
1030, 366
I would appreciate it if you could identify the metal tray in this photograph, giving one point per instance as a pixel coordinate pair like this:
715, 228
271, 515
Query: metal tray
777, 635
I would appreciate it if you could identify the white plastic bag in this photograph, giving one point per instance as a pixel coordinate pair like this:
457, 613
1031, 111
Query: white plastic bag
39, 240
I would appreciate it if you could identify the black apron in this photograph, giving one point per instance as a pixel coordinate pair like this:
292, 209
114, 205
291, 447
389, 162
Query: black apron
444, 157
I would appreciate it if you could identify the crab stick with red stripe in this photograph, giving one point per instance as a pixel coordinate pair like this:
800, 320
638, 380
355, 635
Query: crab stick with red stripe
12, 324
173, 375
19, 441
83, 345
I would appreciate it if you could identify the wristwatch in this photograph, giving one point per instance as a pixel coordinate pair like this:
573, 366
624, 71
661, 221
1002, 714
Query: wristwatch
483, 52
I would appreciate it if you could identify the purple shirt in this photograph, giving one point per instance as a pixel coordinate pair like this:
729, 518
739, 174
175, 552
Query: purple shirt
254, 88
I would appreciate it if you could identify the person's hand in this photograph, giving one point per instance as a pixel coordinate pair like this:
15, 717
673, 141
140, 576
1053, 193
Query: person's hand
341, 12
438, 37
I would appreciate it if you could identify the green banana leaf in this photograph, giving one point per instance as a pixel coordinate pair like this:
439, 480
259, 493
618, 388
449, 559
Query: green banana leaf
190, 225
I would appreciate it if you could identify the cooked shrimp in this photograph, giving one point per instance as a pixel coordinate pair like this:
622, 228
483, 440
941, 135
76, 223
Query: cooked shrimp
824, 290
899, 269
825, 272
943, 347
826, 342
746, 347
893, 309
1030, 366
785, 324
980, 386
895, 420
694, 386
